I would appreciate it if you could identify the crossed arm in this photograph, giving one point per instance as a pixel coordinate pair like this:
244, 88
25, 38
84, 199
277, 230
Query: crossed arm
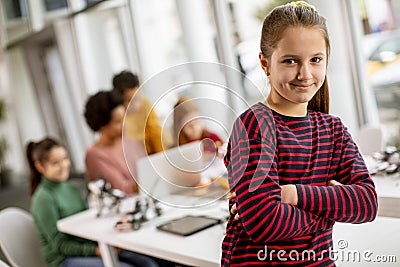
288, 196
271, 212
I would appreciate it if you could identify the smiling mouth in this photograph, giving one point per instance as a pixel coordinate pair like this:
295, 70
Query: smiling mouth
302, 86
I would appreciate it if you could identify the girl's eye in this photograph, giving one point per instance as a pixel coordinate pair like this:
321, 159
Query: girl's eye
289, 61
316, 59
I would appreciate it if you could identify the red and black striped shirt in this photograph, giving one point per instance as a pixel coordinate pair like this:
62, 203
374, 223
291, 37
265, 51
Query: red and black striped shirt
266, 150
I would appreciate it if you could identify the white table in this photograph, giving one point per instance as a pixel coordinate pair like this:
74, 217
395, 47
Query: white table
200, 249
387, 185
381, 237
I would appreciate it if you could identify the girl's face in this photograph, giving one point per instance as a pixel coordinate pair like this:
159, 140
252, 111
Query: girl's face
297, 66
193, 129
57, 165
114, 127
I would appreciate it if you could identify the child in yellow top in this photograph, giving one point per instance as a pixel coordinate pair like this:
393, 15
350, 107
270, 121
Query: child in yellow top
141, 120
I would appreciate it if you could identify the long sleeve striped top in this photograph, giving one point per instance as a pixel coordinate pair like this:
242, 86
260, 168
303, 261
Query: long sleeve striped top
266, 150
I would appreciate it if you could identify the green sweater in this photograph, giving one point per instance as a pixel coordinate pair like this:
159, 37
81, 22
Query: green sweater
51, 202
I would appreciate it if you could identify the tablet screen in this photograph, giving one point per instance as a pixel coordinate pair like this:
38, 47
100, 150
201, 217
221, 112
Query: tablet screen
188, 225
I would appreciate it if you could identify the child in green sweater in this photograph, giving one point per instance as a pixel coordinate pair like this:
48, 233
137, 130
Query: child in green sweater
54, 198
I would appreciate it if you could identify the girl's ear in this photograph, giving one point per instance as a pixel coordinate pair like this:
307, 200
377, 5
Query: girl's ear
264, 64
39, 167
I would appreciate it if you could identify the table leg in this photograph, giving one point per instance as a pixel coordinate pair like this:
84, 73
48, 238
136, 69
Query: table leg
108, 254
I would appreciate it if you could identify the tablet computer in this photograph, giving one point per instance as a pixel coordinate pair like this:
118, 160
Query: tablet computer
188, 225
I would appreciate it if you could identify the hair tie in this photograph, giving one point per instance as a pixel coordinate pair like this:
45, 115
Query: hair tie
301, 3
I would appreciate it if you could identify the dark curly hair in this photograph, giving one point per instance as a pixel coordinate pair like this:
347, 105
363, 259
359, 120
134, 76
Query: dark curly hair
125, 80
99, 107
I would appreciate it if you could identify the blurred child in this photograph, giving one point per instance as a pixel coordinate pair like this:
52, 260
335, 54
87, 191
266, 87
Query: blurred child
54, 198
104, 113
141, 120
188, 126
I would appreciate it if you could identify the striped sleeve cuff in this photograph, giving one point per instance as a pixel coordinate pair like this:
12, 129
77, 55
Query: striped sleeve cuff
303, 194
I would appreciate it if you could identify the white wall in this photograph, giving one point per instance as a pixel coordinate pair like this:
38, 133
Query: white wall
24, 111
101, 49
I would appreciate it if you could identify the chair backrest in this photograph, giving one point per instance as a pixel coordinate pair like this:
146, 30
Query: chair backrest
19, 239
3, 264
370, 139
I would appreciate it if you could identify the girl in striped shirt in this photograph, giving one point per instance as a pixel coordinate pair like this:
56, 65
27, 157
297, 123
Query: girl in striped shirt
294, 169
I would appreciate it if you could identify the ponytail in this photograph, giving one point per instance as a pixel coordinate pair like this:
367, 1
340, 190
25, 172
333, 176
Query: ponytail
35, 175
320, 101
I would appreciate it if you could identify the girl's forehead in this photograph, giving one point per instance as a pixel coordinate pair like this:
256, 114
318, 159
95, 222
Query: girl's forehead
302, 40
301, 31
57, 151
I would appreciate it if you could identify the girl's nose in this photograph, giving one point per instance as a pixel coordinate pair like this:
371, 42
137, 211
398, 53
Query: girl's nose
304, 72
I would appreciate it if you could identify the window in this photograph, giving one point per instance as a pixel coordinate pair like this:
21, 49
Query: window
381, 45
14, 9
51, 5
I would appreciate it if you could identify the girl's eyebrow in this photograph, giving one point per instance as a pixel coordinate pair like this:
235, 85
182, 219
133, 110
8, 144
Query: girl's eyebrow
297, 56
288, 55
319, 54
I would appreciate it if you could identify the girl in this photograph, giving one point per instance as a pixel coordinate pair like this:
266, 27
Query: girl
141, 120
295, 169
104, 113
189, 128
54, 198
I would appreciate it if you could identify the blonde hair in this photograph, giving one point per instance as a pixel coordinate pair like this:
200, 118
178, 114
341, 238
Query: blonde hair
300, 3
296, 14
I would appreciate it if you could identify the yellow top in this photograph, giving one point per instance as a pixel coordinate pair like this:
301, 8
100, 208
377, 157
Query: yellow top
144, 126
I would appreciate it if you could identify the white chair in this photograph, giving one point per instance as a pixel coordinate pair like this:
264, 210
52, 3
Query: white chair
3, 264
370, 139
19, 240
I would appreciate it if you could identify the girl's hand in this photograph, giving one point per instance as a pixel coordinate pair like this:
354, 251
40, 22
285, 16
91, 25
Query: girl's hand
234, 207
334, 182
289, 194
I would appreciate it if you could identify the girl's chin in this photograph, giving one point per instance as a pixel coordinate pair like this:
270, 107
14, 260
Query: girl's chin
63, 178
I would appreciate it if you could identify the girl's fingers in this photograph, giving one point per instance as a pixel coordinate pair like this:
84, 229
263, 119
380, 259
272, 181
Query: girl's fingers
231, 195
233, 209
333, 182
